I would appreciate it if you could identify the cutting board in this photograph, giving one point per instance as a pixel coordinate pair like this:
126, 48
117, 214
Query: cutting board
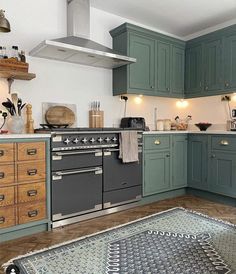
59, 115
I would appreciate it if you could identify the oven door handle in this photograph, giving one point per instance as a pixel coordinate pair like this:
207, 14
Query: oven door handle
96, 152
96, 170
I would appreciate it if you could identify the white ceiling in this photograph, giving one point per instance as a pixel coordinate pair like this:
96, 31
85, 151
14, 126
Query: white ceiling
181, 18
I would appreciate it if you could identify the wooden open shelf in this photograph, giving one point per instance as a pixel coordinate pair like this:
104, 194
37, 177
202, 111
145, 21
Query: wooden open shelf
19, 75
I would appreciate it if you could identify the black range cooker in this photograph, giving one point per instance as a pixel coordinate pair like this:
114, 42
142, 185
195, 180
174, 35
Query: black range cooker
88, 178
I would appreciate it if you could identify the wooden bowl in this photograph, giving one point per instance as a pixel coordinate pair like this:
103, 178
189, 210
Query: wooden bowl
203, 126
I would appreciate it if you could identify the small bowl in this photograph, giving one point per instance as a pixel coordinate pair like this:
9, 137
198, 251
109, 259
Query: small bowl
203, 126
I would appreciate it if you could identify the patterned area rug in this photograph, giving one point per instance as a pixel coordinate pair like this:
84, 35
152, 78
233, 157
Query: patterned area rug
176, 241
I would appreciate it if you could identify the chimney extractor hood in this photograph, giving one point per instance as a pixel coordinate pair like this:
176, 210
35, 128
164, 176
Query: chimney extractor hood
76, 47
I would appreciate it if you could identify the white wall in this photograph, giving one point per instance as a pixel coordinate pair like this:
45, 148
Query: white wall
34, 21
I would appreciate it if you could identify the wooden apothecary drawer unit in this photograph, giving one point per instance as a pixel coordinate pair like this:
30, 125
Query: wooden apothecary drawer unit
24, 187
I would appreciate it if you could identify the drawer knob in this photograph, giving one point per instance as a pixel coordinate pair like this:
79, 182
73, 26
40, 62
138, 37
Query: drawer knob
32, 213
32, 172
224, 143
2, 197
213, 156
2, 220
2, 175
32, 193
1, 153
31, 151
157, 142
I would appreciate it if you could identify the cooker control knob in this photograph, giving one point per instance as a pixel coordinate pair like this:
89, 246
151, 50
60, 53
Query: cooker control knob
67, 141
107, 139
114, 139
75, 141
84, 140
92, 140
100, 139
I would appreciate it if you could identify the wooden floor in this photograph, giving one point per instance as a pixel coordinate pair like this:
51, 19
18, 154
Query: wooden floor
14, 248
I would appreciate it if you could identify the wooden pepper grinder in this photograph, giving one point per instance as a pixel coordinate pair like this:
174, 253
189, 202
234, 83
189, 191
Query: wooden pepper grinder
29, 120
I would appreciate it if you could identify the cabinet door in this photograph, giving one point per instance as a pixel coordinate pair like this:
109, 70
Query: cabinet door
142, 73
163, 68
179, 161
222, 173
230, 62
193, 70
177, 71
213, 65
156, 172
197, 161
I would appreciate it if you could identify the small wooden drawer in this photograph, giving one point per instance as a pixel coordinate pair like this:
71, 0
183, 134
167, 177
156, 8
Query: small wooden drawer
7, 196
33, 171
30, 151
7, 174
31, 212
223, 142
7, 216
157, 142
31, 192
6, 153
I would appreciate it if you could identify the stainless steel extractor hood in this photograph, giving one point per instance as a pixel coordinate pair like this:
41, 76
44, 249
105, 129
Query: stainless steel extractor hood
77, 47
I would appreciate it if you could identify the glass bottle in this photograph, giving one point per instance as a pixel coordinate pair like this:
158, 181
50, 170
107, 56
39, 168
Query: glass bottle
14, 52
4, 52
1, 53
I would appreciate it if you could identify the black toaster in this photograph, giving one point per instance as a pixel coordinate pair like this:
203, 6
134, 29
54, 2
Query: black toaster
133, 122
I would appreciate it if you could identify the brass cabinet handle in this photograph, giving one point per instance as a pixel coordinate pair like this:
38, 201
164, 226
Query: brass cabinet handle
31, 151
2, 220
1, 153
32, 192
2, 175
32, 213
224, 142
2, 197
32, 172
157, 142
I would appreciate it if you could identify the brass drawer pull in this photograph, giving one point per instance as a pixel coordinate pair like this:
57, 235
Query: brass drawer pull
2, 197
2, 220
157, 142
32, 172
32, 213
31, 151
224, 143
1, 153
32, 193
2, 175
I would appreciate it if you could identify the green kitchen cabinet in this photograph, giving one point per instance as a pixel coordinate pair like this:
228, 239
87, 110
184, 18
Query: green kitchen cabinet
213, 65
193, 71
229, 57
197, 161
222, 173
163, 68
179, 160
177, 71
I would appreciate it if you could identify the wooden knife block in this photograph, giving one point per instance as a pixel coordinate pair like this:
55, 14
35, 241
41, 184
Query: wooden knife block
96, 118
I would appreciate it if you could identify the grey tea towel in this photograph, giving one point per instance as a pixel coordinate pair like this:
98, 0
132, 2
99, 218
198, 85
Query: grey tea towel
128, 146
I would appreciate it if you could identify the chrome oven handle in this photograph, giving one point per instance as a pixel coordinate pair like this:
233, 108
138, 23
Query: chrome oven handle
97, 170
77, 152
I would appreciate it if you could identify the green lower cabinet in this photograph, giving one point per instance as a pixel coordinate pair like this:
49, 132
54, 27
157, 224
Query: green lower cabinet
156, 172
179, 161
222, 173
197, 161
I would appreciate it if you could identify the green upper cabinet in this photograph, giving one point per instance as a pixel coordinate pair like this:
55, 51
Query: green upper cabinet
193, 70
230, 61
213, 65
142, 73
177, 72
163, 68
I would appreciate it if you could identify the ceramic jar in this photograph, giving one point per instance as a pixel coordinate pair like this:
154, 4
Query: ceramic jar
15, 124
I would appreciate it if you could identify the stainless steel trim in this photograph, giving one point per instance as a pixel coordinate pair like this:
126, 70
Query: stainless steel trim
59, 216
97, 170
83, 147
58, 133
93, 215
96, 152
109, 204
112, 150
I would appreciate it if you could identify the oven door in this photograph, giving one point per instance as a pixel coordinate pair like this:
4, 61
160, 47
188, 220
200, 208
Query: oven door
76, 159
76, 192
